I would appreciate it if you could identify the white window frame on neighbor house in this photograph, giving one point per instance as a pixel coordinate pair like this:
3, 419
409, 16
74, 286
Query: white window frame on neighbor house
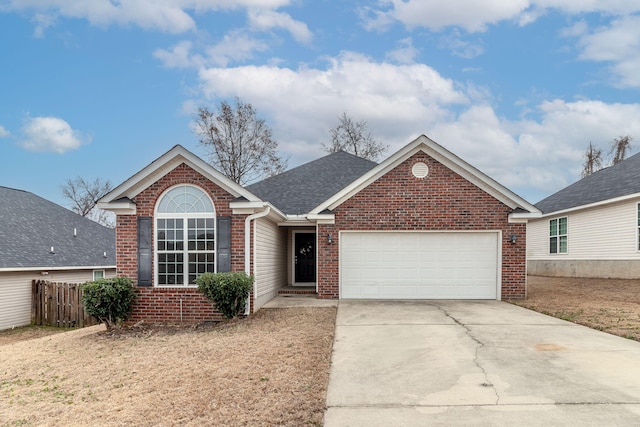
184, 238
555, 233
98, 274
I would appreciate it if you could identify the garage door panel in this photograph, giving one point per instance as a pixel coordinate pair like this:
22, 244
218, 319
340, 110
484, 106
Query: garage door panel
423, 265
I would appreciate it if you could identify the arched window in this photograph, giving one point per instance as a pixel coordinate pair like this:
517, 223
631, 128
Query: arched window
185, 236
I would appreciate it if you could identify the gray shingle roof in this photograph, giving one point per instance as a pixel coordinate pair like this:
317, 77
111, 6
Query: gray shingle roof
31, 225
619, 180
299, 190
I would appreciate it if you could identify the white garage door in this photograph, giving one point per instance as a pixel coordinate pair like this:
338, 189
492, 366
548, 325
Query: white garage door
419, 265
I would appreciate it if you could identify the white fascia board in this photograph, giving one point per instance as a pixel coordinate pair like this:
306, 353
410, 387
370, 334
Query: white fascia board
440, 154
89, 267
289, 223
245, 207
522, 218
593, 205
322, 218
166, 163
307, 220
119, 208
296, 221
246, 204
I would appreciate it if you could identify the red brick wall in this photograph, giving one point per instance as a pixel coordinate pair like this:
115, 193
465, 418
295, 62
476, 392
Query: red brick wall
441, 201
163, 304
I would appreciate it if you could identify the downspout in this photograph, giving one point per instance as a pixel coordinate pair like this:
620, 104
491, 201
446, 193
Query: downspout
247, 253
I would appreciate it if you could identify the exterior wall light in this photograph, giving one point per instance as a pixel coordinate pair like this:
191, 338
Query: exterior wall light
329, 238
513, 239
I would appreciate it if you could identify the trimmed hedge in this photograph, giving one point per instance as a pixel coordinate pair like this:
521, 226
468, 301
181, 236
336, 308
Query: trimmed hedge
109, 300
228, 291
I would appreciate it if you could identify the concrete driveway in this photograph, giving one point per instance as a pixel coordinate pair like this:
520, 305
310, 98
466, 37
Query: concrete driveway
414, 363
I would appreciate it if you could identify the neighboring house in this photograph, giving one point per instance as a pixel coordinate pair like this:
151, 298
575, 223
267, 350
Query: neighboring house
42, 240
590, 228
422, 224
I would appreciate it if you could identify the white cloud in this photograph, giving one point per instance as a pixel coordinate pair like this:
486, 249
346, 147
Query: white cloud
158, 15
375, 20
265, 20
42, 22
471, 15
303, 104
4, 132
536, 157
405, 53
51, 134
460, 47
179, 56
162, 15
619, 44
610, 7
235, 46
475, 16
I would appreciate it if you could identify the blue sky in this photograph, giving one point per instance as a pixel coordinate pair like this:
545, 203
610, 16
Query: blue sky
517, 88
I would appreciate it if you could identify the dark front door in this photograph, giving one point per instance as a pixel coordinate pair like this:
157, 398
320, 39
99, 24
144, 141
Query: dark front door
305, 257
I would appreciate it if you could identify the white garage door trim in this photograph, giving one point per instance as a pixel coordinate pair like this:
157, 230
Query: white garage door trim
420, 264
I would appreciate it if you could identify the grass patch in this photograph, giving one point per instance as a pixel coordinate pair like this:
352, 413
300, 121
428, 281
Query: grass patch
609, 305
269, 369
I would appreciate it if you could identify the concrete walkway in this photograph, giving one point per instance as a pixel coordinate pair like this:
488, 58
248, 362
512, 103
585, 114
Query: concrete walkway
282, 301
480, 363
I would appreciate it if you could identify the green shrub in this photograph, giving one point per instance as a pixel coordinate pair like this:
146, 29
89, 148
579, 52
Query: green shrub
227, 290
109, 300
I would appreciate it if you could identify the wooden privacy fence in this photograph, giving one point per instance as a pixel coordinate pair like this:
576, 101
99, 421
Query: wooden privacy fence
59, 304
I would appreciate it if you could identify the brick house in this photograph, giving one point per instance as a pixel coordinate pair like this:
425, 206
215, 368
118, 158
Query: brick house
423, 224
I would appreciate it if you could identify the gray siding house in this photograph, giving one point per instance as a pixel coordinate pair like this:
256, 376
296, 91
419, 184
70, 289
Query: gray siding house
590, 228
42, 240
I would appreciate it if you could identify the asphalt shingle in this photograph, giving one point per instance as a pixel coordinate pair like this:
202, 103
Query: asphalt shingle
299, 190
618, 180
31, 225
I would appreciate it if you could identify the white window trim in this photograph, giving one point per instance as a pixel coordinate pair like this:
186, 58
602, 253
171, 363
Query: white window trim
185, 217
558, 236
103, 275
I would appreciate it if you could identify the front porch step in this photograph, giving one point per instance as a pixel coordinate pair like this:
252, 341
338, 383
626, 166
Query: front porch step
297, 291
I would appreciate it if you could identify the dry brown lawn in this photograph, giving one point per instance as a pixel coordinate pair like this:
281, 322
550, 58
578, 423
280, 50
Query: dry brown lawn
269, 369
609, 305
23, 333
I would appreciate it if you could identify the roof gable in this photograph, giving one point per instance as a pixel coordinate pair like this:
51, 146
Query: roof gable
443, 156
31, 226
297, 191
614, 182
120, 197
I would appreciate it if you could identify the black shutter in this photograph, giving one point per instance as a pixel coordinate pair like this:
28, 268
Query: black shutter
144, 251
223, 238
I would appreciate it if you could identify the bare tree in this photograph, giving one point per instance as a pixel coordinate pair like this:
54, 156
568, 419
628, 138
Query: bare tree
238, 144
619, 148
84, 196
354, 137
593, 161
